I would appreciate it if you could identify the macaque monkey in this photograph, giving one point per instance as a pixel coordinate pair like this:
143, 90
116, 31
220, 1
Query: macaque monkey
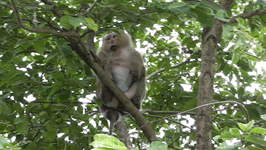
124, 65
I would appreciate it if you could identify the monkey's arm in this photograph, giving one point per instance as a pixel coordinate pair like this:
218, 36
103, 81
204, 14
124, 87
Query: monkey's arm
137, 69
137, 89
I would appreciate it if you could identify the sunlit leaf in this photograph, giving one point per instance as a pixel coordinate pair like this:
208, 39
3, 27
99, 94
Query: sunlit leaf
258, 130
263, 117
89, 22
176, 5
107, 142
220, 14
246, 127
235, 58
157, 145
255, 140
64, 22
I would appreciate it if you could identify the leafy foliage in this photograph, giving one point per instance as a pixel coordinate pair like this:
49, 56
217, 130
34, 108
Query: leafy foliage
46, 89
247, 136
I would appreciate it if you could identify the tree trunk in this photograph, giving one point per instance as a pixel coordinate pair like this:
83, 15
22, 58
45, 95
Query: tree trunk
210, 38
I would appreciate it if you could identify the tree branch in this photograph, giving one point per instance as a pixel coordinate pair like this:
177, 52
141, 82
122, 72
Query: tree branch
247, 15
174, 66
35, 30
162, 112
205, 105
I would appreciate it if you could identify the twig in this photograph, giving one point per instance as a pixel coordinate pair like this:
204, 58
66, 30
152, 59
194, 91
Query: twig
93, 5
61, 34
205, 105
174, 66
162, 112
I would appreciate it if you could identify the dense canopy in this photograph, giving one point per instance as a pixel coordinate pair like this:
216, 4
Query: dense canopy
195, 52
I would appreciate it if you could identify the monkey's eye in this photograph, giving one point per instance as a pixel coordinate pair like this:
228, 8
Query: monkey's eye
114, 36
107, 38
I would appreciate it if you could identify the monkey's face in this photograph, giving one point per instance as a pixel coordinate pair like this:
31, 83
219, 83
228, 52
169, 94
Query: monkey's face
114, 42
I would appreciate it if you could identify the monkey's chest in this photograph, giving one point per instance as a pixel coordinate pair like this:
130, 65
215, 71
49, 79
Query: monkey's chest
122, 77
120, 69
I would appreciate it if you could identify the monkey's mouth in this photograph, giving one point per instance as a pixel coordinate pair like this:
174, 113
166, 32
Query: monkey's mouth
113, 47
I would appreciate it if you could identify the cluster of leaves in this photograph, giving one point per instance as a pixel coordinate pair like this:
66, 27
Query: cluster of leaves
42, 79
107, 142
247, 135
6, 145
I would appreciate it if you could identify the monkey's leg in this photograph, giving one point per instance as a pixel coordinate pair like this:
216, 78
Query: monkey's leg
131, 91
129, 94
139, 93
108, 99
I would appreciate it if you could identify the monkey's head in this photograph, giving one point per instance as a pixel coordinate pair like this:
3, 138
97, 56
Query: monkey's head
113, 41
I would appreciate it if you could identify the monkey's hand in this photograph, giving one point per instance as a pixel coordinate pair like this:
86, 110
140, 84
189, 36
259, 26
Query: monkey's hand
135, 75
136, 101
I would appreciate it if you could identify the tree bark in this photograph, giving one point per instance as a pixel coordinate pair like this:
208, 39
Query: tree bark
210, 38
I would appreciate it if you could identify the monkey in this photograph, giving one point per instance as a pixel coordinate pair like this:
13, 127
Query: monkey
124, 65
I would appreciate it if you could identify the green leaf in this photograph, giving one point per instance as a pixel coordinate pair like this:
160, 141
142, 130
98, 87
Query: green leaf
8, 56
227, 32
211, 5
220, 15
176, 5
225, 146
64, 22
258, 130
58, 76
21, 124
3, 141
235, 132
157, 145
82, 1
55, 87
4, 109
66, 50
89, 22
227, 135
226, 69
50, 135
17, 107
255, 140
203, 18
252, 148
39, 46
263, 117
245, 75
235, 58
107, 142
75, 22
238, 43
246, 127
